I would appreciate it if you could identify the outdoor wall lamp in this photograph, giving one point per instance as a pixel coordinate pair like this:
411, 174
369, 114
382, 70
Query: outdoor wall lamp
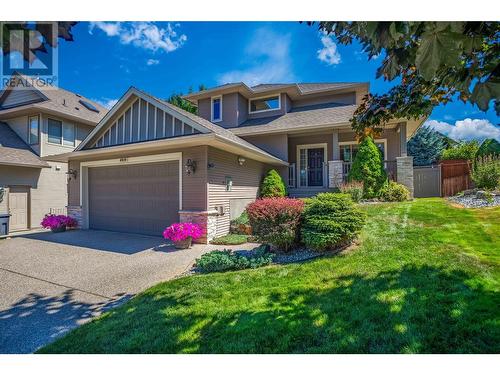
190, 166
241, 160
72, 173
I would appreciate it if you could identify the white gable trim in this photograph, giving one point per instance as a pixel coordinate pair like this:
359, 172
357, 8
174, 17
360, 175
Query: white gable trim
118, 107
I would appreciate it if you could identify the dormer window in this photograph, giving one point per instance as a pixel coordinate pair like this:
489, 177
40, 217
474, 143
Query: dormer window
216, 108
268, 103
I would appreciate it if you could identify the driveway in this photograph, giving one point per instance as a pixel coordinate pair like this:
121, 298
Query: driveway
52, 282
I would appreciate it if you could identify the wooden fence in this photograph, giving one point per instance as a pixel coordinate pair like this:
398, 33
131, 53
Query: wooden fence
455, 176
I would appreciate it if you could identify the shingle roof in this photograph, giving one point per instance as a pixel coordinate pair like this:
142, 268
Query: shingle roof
298, 118
65, 102
14, 151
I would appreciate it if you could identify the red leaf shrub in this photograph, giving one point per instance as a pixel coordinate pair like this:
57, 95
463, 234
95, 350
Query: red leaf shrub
276, 220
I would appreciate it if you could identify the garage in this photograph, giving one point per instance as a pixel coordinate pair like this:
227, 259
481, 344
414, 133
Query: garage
134, 198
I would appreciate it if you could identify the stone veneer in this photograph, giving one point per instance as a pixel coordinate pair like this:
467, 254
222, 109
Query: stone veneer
76, 213
335, 173
404, 166
207, 220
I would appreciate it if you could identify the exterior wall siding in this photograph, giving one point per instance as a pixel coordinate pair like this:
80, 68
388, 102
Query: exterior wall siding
246, 180
48, 189
347, 98
18, 97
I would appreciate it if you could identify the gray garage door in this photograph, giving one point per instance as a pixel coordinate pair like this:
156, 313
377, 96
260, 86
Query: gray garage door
139, 198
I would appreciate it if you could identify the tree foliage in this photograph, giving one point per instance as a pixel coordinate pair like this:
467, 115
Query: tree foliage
63, 31
368, 167
273, 185
435, 61
426, 146
489, 147
462, 151
179, 101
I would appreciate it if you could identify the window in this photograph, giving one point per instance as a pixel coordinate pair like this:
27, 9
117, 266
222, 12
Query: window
55, 131
61, 134
33, 130
68, 134
348, 150
217, 108
265, 104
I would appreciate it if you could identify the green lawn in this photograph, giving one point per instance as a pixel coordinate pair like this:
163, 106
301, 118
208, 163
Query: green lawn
425, 279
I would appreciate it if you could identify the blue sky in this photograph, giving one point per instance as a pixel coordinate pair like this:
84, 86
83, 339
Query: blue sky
106, 58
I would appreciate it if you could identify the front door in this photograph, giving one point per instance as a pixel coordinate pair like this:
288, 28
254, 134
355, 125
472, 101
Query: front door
18, 208
315, 159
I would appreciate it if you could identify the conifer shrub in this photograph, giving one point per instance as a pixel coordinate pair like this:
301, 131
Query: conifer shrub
273, 185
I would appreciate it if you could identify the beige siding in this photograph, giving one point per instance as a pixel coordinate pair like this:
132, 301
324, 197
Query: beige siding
275, 144
81, 132
194, 186
246, 181
17, 97
295, 141
48, 189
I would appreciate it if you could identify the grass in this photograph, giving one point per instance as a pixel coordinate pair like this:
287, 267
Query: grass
230, 239
425, 279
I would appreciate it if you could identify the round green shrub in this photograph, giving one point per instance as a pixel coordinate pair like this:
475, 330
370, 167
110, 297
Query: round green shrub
394, 192
368, 167
273, 185
330, 220
227, 260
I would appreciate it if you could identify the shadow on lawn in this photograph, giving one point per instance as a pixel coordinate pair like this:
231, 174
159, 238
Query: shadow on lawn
418, 310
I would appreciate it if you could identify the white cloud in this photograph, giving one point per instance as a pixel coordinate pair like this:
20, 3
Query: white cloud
145, 35
467, 129
152, 62
328, 54
269, 54
106, 102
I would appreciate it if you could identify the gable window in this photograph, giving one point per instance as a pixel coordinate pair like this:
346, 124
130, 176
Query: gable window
33, 126
61, 134
217, 108
269, 103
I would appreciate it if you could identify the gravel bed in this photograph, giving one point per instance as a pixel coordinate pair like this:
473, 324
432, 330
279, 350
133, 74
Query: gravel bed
470, 201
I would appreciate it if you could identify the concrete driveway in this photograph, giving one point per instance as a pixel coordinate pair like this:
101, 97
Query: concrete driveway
52, 282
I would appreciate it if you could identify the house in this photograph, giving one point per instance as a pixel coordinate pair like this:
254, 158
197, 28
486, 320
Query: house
37, 121
149, 163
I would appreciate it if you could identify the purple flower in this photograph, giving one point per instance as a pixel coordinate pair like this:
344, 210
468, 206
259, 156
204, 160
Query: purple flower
182, 231
58, 221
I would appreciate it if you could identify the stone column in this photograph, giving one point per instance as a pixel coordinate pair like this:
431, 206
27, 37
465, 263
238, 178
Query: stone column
207, 220
76, 213
404, 167
335, 173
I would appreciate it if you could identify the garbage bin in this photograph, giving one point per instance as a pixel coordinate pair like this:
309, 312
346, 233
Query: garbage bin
4, 224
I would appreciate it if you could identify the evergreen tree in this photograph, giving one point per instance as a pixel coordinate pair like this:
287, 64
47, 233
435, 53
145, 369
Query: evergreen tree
273, 185
489, 147
368, 167
426, 146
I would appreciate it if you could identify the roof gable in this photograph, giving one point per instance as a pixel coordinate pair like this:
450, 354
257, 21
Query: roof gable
14, 151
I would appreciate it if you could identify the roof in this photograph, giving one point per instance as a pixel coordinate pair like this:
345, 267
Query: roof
312, 116
14, 151
294, 89
206, 126
60, 100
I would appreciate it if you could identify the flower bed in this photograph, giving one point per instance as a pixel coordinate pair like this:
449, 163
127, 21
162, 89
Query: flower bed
182, 234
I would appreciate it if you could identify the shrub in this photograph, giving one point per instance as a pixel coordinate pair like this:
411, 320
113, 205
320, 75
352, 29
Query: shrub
276, 220
330, 220
486, 172
226, 260
182, 231
462, 151
394, 192
354, 189
241, 220
368, 167
273, 185
58, 221
230, 239
489, 147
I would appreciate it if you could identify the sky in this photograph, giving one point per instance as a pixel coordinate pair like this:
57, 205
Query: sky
162, 58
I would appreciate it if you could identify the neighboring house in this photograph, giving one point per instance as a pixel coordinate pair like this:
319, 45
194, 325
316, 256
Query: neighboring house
148, 163
35, 123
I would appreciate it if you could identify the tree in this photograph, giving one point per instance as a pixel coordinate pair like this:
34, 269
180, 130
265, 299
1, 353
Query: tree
368, 167
426, 146
179, 101
435, 61
489, 147
45, 31
462, 151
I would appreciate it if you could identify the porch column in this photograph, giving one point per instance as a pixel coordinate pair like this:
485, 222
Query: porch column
402, 139
335, 145
404, 166
335, 173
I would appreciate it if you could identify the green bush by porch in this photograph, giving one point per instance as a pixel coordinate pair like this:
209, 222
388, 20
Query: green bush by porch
273, 185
